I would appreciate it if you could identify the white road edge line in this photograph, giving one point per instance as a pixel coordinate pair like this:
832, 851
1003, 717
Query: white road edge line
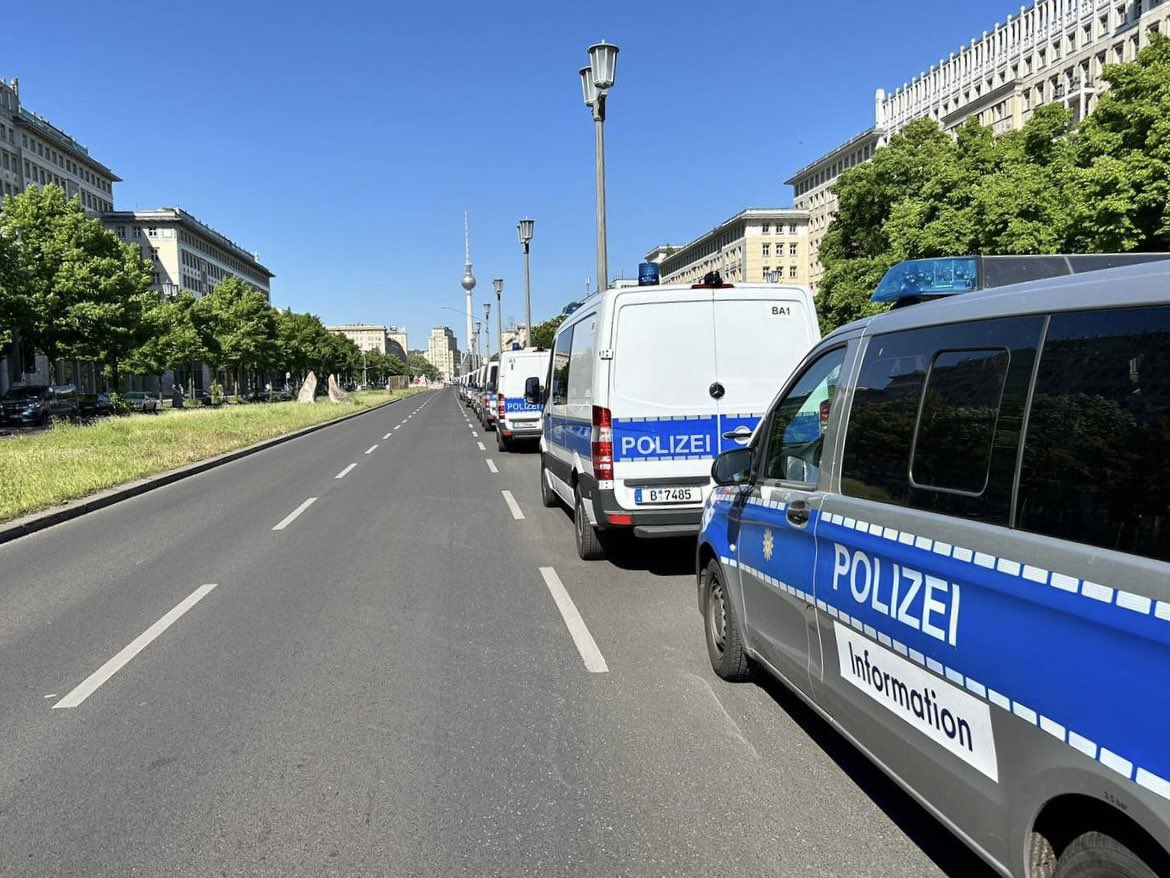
481, 448
371, 449
91, 683
491, 464
292, 516
586, 645
345, 472
513, 505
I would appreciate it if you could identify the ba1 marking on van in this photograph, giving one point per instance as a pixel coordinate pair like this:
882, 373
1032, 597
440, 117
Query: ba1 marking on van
781, 311
896, 592
947, 715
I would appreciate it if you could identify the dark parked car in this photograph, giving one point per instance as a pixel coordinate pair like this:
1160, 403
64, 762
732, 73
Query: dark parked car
38, 404
94, 405
140, 401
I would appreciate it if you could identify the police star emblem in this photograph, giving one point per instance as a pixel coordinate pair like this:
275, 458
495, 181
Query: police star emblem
768, 543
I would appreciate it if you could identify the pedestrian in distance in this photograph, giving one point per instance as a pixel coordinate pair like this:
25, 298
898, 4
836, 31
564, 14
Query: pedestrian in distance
176, 396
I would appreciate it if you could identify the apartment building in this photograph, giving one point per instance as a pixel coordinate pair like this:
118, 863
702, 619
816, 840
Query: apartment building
373, 338
756, 245
1051, 52
186, 253
443, 352
397, 334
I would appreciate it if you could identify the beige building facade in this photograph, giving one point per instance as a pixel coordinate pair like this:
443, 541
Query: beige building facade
756, 245
1053, 51
442, 352
365, 336
397, 334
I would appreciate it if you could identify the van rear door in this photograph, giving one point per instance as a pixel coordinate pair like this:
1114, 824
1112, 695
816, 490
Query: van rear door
761, 335
664, 418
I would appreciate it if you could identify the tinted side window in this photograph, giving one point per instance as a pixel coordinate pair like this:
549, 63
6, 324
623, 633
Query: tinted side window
796, 432
559, 386
1096, 463
961, 442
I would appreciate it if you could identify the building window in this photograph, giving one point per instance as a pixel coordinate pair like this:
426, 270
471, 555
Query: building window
767, 250
766, 229
792, 249
792, 271
136, 232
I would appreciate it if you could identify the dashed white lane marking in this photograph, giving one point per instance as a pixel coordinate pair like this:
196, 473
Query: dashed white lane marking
292, 516
345, 472
513, 505
481, 448
474, 435
91, 683
371, 449
399, 427
586, 645
492, 465
387, 436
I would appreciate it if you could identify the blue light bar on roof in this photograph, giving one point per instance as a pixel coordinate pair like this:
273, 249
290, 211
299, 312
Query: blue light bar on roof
944, 276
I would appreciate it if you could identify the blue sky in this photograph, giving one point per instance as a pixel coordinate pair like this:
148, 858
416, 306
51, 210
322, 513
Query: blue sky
344, 140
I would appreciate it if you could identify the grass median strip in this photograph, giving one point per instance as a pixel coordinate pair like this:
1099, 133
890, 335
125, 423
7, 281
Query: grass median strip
68, 462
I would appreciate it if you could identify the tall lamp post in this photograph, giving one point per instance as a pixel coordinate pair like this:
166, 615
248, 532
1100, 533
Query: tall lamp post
596, 80
478, 355
498, 286
524, 227
487, 330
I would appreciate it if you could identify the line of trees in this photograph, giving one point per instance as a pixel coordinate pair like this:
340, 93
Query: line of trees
73, 290
1100, 186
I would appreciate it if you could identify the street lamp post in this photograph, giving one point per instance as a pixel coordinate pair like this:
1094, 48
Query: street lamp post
487, 329
596, 80
524, 227
498, 286
478, 354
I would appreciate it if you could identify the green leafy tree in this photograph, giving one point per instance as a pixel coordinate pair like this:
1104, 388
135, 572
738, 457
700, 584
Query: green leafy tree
237, 328
174, 340
302, 341
420, 367
75, 289
543, 333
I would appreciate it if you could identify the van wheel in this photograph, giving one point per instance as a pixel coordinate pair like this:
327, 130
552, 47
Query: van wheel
1097, 855
501, 443
548, 497
589, 544
721, 628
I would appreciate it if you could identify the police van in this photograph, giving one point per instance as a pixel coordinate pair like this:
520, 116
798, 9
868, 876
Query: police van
951, 536
487, 392
646, 385
518, 420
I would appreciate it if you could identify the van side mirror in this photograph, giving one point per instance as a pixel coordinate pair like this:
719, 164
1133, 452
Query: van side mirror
732, 467
533, 392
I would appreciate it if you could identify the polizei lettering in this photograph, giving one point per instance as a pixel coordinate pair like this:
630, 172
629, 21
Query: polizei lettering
683, 445
917, 600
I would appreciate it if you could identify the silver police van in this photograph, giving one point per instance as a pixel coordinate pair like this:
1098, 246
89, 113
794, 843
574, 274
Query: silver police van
950, 535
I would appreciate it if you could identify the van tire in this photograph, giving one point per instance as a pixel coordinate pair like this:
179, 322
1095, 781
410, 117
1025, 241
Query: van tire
721, 628
548, 497
589, 544
501, 443
1097, 855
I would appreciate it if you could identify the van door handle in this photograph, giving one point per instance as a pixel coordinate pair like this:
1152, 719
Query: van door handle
797, 513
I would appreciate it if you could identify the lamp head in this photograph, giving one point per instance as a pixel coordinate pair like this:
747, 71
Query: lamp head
603, 63
588, 89
524, 227
498, 286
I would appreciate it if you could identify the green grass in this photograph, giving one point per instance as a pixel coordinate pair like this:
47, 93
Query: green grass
40, 470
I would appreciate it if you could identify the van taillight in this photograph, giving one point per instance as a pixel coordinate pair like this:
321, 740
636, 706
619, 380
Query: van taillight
602, 445
500, 404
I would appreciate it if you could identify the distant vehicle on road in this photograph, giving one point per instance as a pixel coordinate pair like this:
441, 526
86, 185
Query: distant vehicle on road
94, 405
516, 419
37, 405
951, 536
487, 405
140, 401
646, 385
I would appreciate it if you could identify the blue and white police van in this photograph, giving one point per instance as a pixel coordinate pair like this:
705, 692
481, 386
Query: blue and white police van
646, 385
951, 537
518, 420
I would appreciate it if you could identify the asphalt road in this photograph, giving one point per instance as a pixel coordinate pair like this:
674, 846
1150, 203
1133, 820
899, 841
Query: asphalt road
387, 686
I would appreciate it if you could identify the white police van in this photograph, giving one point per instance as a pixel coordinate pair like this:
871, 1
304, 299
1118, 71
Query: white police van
951, 536
518, 420
646, 385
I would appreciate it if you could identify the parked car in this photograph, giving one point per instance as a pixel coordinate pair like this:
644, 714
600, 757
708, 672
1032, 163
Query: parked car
141, 401
200, 397
37, 405
1008, 447
94, 405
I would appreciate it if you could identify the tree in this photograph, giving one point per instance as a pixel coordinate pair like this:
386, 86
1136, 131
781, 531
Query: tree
420, 367
76, 289
13, 309
237, 327
302, 342
174, 340
542, 333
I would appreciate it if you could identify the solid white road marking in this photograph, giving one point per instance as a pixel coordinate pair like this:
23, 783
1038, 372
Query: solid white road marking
586, 645
492, 465
370, 450
345, 472
90, 684
481, 448
513, 505
292, 516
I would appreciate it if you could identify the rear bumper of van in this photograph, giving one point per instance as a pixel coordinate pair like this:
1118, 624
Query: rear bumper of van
645, 523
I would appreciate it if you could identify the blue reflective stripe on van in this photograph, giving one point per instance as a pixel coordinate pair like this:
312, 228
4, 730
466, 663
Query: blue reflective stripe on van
517, 404
572, 433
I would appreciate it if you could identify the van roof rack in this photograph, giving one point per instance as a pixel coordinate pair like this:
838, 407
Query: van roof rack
712, 280
919, 280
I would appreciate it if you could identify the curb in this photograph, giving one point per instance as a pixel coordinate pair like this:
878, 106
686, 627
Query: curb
36, 521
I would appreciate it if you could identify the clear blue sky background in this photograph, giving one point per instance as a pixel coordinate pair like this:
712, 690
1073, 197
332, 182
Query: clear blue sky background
344, 140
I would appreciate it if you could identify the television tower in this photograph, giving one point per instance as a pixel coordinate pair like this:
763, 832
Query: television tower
468, 284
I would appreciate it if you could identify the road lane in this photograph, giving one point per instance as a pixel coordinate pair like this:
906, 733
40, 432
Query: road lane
387, 687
